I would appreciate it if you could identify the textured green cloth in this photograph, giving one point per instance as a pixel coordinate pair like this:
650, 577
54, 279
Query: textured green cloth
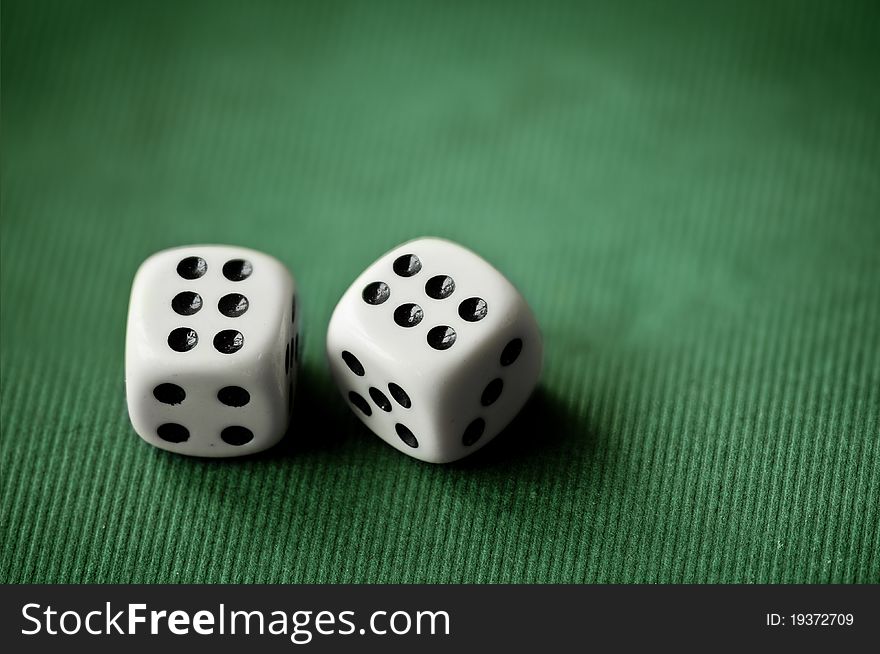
688, 195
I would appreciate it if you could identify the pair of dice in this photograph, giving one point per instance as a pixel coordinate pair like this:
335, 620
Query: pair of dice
434, 349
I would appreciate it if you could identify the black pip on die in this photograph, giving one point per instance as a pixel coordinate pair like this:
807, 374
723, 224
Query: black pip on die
434, 349
211, 350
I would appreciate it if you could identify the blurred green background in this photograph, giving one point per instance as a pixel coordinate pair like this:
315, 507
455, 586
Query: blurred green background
687, 193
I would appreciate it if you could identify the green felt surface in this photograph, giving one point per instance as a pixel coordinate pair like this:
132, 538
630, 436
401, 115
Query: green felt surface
688, 195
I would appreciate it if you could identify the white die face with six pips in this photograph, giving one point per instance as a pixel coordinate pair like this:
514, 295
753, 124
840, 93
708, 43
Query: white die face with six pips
434, 349
211, 350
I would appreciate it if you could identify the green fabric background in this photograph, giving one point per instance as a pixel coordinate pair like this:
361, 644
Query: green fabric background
688, 194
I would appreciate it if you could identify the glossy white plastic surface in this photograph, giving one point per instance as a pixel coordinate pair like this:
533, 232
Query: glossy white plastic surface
264, 365
444, 386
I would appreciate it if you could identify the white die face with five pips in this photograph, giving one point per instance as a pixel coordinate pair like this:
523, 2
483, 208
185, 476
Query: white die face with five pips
434, 349
211, 350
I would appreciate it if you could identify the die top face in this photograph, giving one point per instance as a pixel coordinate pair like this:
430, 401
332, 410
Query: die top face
428, 304
200, 308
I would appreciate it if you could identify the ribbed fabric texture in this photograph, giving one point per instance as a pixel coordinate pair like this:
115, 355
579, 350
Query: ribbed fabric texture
688, 195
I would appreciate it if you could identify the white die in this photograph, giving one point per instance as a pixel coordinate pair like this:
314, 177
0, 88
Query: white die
435, 349
211, 350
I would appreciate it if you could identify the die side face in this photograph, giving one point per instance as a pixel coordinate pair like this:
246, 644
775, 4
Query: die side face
209, 367
484, 397
395, 405
427, 316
